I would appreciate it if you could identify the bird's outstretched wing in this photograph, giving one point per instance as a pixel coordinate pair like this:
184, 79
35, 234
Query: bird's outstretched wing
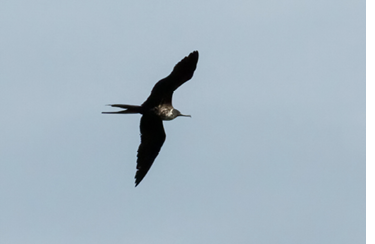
152, 139
163, 90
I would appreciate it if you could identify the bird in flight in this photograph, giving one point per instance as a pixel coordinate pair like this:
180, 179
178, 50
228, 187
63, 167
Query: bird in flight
154, 110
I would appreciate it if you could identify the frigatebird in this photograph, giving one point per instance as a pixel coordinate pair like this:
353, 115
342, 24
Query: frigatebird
154, 110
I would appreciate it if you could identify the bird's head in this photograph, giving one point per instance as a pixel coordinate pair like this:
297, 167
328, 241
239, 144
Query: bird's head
178, 113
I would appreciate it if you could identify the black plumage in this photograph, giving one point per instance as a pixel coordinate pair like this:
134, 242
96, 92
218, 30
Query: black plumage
154, 110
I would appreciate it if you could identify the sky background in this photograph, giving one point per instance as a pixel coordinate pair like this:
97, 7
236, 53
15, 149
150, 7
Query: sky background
274, 151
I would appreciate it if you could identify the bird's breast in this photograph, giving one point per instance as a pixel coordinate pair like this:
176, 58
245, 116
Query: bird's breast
165, 113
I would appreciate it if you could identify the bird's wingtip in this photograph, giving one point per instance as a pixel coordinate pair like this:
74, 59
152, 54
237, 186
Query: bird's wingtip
137, 182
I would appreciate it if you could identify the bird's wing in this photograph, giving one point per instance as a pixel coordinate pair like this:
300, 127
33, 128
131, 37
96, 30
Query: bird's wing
163, 90
152, 139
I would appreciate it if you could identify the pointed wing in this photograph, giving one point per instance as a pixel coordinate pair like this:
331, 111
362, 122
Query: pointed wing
152, 139
163, 90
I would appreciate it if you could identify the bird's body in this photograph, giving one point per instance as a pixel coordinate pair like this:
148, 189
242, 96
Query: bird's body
154, 110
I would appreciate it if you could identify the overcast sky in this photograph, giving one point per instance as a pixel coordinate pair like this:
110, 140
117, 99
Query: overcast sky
274, 151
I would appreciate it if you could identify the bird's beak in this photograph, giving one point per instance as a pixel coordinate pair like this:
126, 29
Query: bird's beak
185, 115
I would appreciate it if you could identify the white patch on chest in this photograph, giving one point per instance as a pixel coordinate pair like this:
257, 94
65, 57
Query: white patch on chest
165, 113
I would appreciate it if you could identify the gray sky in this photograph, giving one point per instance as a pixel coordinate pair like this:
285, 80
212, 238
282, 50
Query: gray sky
274, 151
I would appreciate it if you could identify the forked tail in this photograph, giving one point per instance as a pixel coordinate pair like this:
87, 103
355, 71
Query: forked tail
130, 109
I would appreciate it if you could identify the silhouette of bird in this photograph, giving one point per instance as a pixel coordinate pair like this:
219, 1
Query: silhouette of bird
154, 110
